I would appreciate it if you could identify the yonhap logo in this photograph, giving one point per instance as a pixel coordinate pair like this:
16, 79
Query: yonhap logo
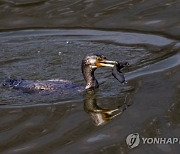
133, 140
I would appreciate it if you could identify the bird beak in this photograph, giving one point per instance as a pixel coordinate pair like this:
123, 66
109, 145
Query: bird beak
107, 63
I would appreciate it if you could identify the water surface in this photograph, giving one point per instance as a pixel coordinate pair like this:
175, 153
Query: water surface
42, 40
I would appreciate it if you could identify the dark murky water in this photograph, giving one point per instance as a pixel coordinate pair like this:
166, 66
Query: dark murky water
42, 40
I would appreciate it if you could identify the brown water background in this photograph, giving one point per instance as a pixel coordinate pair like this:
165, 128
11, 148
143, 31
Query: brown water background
47, 39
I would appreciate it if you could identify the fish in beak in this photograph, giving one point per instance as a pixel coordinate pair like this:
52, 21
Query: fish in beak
117, 73
116, 68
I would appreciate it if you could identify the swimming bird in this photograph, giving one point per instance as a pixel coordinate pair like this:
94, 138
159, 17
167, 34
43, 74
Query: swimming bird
89, 64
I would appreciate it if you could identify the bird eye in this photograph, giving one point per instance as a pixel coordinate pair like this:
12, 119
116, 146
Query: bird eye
99, 58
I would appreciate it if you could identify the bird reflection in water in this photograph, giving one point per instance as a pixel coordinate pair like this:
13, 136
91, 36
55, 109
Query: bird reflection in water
99, 115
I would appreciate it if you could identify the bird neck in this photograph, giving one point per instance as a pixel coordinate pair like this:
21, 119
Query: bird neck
88, 73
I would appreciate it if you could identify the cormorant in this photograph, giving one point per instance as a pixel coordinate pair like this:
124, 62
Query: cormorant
89, 64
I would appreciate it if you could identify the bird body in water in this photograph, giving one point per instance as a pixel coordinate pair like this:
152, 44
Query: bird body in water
89, 64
